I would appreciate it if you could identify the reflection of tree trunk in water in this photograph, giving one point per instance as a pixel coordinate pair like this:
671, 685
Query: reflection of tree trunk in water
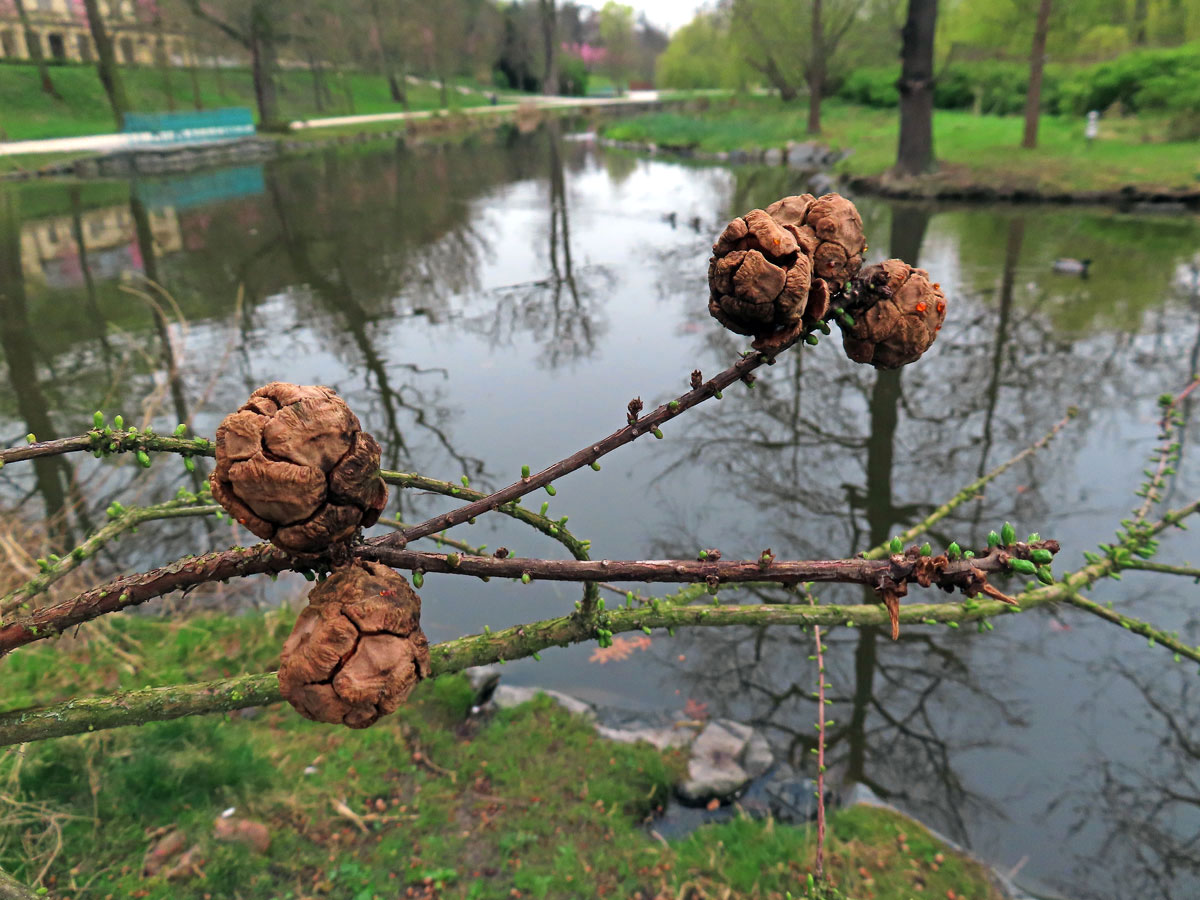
145, 239
89, 284
909, 224
1012, 255
52, 474
338, 297
558, 217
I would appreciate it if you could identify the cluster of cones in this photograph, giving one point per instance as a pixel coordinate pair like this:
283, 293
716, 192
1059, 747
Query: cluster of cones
777, 273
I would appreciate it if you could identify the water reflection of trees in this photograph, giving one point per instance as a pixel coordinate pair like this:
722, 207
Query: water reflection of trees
1149, 813
354, 244
560, 310
825, 458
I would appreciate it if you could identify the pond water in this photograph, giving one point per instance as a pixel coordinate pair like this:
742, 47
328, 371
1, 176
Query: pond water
499, 301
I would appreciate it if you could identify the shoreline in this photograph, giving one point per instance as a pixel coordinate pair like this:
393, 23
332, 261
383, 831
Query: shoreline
305, 138
925, 187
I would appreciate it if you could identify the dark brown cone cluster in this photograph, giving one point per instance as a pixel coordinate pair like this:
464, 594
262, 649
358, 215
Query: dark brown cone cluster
295, 467
772, 268
897, 313
357, 649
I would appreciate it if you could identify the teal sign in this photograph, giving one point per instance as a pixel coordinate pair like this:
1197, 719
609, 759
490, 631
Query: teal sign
199, 127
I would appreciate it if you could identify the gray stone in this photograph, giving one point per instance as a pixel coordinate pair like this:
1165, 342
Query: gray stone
821, 183
737, 729
713, 770
773, 156
808, 155
483, 681
507, 695
757, 757
659, 738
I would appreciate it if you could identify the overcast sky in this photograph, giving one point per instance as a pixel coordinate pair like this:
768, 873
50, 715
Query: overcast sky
669, 14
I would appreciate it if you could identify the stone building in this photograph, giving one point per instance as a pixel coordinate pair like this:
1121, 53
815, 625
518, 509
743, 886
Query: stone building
60, 27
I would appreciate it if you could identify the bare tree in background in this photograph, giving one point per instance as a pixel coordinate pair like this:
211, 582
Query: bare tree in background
33, 44
915, 153
254, 25
1037, 60
549, 19
773, 37
106, 63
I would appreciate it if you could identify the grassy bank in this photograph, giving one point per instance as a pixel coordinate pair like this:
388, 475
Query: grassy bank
530, 803
26, 113
978, 150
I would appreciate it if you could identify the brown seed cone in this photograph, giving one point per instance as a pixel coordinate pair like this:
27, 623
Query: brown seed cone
897, 314
295, 467
772, 268
357, 650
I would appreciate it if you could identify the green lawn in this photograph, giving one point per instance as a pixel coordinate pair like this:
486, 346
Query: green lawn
530, 803
26, 113
983, 150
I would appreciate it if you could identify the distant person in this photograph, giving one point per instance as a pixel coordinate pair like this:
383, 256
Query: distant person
1092, 130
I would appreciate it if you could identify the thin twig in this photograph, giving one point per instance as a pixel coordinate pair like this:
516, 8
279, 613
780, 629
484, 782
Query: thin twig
638, 427
1167, 450
819, 863
1164, 568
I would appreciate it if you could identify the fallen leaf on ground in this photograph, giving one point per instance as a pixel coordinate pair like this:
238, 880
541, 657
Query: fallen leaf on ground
243, 831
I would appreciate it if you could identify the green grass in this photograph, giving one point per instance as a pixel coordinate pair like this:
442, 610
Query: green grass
978, 150
26, 113
531, 800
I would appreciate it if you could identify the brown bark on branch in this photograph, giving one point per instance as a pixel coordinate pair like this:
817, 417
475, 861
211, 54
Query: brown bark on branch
900, 568
132, 590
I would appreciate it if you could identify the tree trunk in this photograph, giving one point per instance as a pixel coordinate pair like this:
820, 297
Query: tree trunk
106, 63
262, 64
549, 16
769, 68
915, 152
398, 87
314, 68
164, 63
347, 91
1037, 59
194, 74
816, 70
1141, 12
34, 47
399, 94
219, 76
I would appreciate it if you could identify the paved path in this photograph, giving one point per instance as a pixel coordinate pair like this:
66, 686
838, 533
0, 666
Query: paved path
110, 143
